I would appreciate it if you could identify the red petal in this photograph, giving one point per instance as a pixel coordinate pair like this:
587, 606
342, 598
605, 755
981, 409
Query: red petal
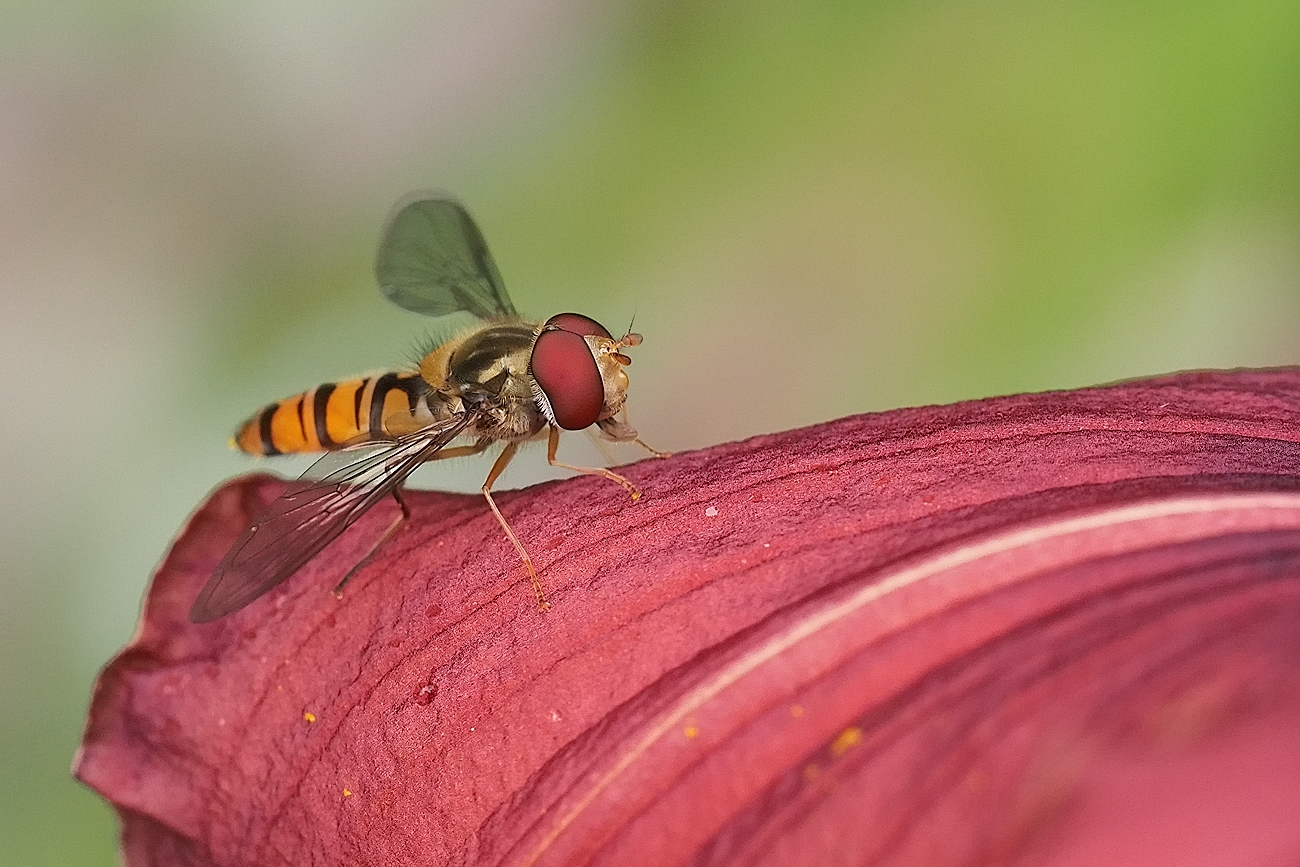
1059, 628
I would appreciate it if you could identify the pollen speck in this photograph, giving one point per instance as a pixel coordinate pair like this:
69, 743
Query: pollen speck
796, 710
691, 732
347, 793
309, 716
845, 741
711, 512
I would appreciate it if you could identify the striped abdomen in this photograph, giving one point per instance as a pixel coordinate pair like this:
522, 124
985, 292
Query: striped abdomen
330, 415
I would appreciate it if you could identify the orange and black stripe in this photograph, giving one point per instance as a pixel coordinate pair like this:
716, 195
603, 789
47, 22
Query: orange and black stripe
330, 415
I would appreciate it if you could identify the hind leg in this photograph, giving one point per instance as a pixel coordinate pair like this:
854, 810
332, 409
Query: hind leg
400, 520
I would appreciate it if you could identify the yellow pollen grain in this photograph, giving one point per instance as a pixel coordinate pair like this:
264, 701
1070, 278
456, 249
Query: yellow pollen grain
309, 716
845, 741
796, 710
347, 793
691, 732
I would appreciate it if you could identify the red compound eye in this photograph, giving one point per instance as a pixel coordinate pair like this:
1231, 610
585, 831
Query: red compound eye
562, 364
578, 324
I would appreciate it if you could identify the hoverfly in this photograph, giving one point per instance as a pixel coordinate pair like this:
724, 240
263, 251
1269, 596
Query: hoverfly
505, 380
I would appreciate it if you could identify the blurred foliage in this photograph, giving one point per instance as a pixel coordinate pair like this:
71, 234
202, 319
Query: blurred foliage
815, 209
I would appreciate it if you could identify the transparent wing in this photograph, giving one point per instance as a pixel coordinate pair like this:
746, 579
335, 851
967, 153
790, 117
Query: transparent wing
432, 260
333, 493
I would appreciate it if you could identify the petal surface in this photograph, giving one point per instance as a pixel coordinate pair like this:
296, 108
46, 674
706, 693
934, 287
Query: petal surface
1059, 628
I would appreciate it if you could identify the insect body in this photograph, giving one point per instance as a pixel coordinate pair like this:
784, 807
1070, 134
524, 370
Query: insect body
506, 380
331, 415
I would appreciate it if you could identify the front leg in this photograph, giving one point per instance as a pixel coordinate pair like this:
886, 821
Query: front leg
653, 451
553, 444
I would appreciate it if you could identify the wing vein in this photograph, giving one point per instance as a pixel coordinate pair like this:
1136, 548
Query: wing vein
314, 510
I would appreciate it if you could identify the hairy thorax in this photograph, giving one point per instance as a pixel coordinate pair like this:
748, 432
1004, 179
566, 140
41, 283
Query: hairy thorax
489, 363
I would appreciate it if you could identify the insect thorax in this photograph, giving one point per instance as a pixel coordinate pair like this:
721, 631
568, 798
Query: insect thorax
493, 358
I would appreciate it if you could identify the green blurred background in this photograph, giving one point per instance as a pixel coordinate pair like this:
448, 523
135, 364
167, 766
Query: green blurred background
814, 209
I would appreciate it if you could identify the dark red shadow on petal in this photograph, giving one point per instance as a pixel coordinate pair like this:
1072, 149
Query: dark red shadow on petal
1058, 628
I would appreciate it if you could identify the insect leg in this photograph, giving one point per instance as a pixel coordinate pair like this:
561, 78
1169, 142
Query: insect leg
602, 447
460, 451
441, 454
553, 443
388, 534
497, 468
655, 452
